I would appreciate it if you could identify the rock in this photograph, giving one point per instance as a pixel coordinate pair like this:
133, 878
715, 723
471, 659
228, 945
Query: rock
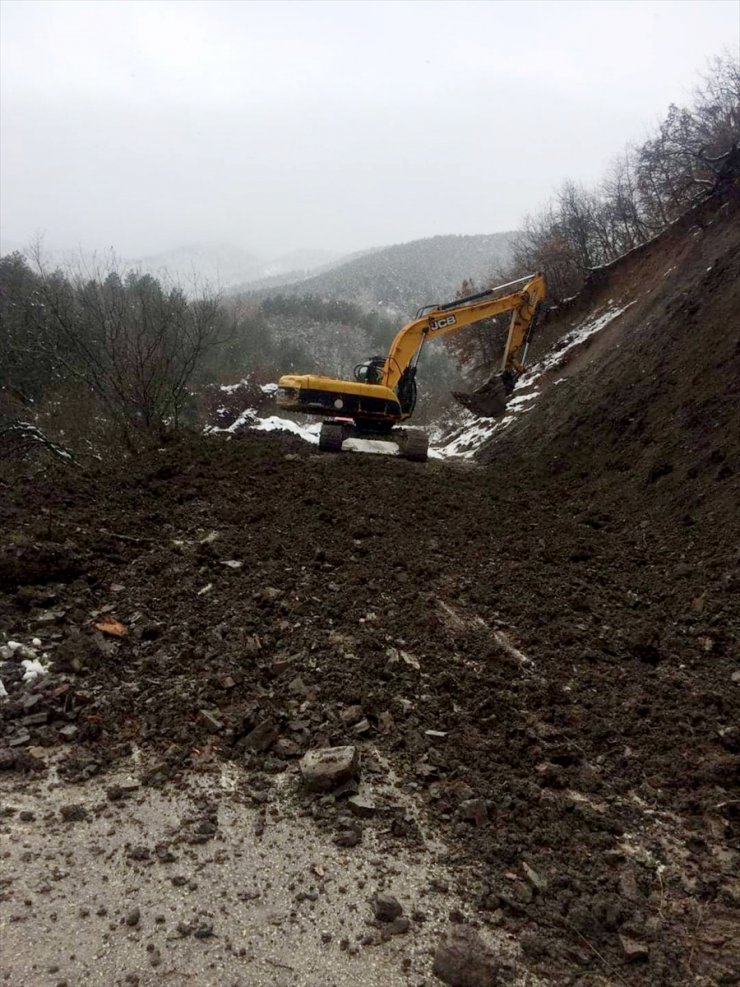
361, 806
35, 719
536, 880
117, 792
133, 916
204, 931
209, 721
287, 748
281, 665
474, 810
327, 767
74, 812
634, 952
399, 926
26, 815
262, 737
69, 732
628, 884
252, 644
298, 687
351, 715
7, 759
735, 677
462, 959
270, 594
386, 907
348, 837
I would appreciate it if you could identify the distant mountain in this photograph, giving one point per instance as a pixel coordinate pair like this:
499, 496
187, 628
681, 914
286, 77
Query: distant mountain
226, 267
399, 279
218, 265
300, 260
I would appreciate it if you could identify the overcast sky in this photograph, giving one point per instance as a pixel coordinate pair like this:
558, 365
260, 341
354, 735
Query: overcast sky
340, 125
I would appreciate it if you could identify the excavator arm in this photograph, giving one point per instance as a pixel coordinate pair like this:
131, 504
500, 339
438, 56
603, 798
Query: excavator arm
441, 320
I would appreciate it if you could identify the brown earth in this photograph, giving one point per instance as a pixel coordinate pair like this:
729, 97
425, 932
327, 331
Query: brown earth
562, 616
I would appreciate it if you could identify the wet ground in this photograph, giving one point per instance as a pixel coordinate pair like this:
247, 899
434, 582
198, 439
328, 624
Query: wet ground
118, 883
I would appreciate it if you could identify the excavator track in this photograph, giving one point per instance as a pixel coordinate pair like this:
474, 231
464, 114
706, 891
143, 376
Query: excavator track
413, 444
331, 437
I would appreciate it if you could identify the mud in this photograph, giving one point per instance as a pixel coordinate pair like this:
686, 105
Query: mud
536, 657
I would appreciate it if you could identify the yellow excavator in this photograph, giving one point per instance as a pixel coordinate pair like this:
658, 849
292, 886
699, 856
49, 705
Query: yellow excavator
383, 393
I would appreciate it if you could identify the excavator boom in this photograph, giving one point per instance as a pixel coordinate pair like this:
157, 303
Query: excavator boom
454, 316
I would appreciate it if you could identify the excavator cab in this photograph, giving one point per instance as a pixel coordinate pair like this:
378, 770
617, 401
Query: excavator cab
371, 371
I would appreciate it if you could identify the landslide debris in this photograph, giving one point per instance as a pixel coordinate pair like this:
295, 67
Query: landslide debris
542, 651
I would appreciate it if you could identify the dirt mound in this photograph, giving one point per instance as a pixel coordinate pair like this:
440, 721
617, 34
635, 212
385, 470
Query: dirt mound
542, 649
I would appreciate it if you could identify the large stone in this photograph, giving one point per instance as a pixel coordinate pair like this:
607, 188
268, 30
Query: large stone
351, 715
362, 806
474, 810
262, 737
634, 952
211, 722
386, 907
538, 882
327, 767
462, 959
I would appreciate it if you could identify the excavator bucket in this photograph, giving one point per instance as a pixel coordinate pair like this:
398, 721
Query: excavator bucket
487, 401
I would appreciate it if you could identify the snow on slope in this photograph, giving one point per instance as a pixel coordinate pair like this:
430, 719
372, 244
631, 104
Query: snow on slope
467, 439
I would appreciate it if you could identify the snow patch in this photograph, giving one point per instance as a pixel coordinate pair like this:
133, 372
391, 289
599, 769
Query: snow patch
310, 433
33, 669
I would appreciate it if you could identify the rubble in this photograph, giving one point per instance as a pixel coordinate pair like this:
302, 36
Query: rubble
386, 907
463, 960
634, 952
328, 767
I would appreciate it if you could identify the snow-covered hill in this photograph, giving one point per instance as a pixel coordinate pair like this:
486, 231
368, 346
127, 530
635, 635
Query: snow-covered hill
397, 280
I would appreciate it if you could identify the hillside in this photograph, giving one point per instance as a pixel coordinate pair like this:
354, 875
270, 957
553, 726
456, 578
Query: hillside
398, 280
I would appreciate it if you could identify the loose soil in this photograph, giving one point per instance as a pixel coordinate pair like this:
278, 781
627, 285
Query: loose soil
542, 646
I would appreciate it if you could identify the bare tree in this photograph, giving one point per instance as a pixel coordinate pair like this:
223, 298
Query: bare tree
131, 342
